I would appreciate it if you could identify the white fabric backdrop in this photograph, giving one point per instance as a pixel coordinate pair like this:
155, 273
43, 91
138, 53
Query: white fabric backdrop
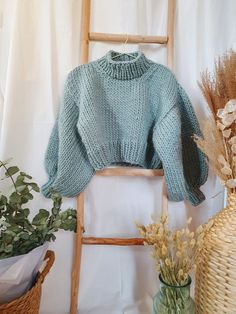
39, 45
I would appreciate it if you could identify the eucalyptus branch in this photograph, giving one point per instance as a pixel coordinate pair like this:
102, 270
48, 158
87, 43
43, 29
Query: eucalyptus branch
9, 175
19, 234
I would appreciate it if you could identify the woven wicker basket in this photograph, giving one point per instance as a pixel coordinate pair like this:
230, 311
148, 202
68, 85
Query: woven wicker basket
29, 302
215, 290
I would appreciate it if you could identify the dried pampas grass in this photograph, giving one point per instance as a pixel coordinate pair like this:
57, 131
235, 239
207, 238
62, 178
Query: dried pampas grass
219, 132
212, 145
220, 87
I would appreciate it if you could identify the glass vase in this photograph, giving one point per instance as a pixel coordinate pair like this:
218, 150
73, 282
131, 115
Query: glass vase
173, 299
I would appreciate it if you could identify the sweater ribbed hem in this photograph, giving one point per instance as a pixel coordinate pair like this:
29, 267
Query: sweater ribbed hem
129, 153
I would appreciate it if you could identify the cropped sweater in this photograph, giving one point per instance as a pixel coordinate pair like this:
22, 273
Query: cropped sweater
127, 111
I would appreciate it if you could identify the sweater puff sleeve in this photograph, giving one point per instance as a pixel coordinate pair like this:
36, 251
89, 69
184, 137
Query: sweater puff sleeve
185, 166
66, 161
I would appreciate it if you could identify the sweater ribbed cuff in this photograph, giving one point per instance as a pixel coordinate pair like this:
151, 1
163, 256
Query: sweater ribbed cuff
178, 190
72, 188
195, 196
67, 186
46, 187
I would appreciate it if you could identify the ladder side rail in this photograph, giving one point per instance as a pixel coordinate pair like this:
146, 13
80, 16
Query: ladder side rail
86, 36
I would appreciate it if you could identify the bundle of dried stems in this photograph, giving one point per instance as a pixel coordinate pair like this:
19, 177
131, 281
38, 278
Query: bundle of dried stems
175, 251
218, 88
219, 132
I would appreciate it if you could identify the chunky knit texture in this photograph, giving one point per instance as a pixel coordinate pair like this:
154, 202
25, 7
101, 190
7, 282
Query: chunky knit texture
126, 111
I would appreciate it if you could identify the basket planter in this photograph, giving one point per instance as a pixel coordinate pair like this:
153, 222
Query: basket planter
29, 302
216, 273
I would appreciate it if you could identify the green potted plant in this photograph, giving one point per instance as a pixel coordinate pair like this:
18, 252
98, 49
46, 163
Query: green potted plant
24, 239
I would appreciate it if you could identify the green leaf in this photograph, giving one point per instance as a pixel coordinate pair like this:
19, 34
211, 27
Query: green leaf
15, 198
50, 237
26, 212
11, 171
20, 188
3, 200
25, 175
28, 226
19, 180
53, 237
15, 228
24, 236
56, 223
10, 232
19, 218
68, 220
34, 186
41, 217
8, 248
29, 196
7, 238
26, 197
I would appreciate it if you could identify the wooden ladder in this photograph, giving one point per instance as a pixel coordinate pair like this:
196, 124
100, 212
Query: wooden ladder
86, 37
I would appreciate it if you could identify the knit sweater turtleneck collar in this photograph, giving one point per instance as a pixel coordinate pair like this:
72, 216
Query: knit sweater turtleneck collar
124, 67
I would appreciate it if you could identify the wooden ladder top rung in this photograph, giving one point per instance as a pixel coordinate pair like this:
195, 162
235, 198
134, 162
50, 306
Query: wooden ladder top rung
112, 241
131, 172
132, 39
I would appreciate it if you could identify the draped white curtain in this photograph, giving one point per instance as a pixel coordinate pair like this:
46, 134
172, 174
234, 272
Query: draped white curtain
39, 45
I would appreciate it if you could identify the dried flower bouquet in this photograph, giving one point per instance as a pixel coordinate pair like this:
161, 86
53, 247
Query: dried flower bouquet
219, 131
215, 275
175, 253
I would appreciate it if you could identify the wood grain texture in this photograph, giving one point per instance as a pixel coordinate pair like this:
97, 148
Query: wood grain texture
112, 241
75, 276
126, 171
170, 33
85, 27
132, 39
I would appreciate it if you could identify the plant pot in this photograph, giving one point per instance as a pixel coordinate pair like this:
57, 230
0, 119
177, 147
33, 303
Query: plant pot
18, 273
216, 272
173, 299
29, 302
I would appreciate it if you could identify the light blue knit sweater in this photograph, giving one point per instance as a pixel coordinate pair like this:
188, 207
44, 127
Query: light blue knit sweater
125, 111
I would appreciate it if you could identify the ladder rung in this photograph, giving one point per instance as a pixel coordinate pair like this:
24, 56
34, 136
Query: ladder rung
126, 171
112, 241
132, 39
